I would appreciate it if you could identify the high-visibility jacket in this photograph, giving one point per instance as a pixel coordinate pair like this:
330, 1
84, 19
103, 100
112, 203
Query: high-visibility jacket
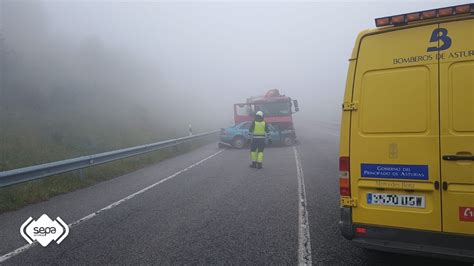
259, 128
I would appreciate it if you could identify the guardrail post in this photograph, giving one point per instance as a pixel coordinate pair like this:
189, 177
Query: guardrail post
176, 146
82, 175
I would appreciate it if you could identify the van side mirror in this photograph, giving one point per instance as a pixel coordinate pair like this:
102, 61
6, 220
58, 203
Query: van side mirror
295, 103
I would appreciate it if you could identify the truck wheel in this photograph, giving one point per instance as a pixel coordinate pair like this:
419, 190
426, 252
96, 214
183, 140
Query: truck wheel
238, 142
288, 141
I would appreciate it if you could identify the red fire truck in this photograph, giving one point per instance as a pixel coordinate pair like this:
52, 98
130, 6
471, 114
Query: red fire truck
278, 110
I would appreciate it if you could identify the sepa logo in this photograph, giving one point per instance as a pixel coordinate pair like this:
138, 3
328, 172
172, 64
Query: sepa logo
44, 230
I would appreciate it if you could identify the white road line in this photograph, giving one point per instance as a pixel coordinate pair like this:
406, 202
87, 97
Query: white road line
304, 241
20, 250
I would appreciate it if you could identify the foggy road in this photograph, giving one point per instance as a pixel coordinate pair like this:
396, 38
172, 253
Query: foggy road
85, 78
206, 206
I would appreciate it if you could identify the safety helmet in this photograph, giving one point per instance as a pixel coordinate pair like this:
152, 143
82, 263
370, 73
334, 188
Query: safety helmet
259, 113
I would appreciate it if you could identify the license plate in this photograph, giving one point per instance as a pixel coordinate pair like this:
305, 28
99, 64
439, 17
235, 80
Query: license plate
411, 201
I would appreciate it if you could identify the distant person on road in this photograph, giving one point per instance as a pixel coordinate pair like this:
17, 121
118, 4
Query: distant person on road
258, 131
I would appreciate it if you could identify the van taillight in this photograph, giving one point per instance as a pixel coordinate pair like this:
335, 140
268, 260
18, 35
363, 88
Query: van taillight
344, 181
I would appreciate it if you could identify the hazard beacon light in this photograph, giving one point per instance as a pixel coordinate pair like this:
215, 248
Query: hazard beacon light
403, 19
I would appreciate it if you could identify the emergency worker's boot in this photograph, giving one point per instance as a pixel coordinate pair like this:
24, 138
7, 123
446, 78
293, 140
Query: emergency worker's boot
259, 165
253, 165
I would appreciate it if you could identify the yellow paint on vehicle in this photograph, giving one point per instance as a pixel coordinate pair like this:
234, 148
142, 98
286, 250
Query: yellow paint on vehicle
409, 100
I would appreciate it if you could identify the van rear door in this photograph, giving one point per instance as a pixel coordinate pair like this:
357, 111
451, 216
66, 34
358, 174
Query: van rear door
457, 126
394, 143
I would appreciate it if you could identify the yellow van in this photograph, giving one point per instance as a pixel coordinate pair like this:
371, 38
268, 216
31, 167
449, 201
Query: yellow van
407, 135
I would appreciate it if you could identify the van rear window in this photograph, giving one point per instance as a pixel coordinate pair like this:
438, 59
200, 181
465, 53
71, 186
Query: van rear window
395, 100
461, 94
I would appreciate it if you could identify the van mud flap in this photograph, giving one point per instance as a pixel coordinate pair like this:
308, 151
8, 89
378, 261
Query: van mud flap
345, 223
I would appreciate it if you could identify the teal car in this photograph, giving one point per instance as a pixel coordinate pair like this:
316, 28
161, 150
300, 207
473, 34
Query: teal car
237, 136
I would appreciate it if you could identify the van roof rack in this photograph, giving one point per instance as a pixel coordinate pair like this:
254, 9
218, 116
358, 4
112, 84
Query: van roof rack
403, 19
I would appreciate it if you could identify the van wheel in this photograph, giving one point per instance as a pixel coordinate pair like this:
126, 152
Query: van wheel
238, 142
288, 141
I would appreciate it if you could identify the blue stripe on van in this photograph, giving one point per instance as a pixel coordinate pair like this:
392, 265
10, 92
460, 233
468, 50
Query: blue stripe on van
395, 171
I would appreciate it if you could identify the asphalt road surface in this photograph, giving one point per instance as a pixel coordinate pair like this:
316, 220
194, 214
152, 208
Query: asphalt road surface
207, 207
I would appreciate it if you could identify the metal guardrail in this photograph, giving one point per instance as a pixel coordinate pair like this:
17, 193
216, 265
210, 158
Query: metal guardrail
20, 175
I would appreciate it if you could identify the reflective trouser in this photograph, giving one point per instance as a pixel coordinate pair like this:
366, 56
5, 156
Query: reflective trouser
256, 149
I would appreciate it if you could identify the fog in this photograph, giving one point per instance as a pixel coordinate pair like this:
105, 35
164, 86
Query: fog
155, 67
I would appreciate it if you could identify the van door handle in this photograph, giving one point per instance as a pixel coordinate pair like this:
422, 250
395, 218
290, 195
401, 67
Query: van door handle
457, 158
445, 185
436, 185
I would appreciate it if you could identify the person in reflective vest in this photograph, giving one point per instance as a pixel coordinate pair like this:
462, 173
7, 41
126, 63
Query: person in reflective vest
259, 131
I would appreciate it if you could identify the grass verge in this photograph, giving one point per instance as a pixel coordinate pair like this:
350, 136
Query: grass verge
18, 196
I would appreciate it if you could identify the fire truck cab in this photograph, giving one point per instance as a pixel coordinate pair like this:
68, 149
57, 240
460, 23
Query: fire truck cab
278, 109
